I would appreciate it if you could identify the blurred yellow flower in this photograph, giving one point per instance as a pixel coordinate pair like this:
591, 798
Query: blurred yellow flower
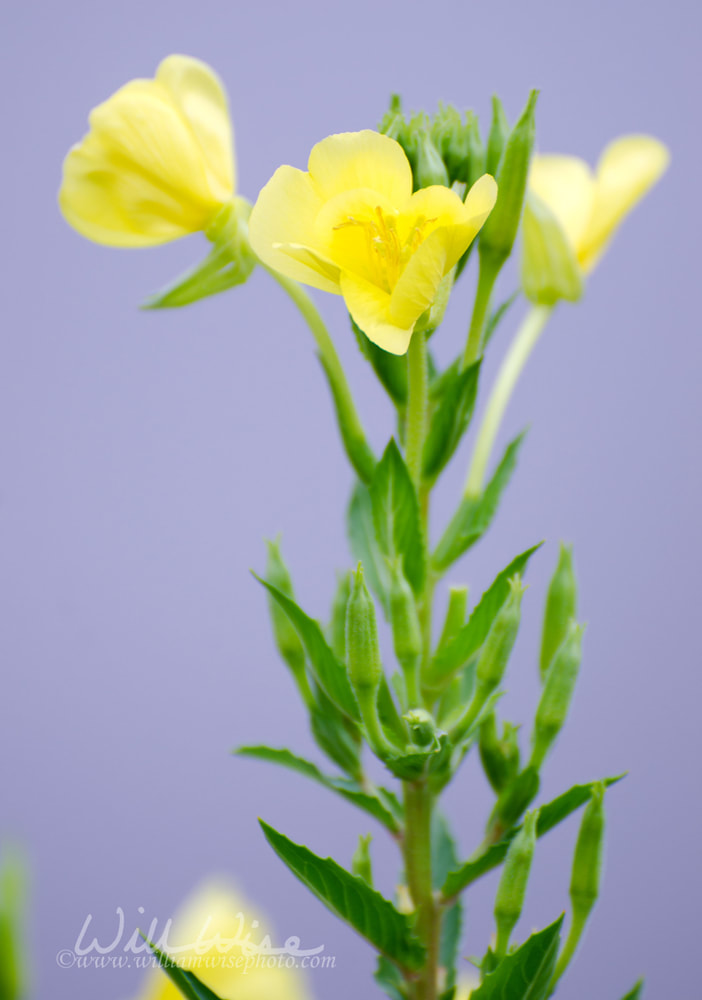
351, 226
572, 212
158, 161
209, 938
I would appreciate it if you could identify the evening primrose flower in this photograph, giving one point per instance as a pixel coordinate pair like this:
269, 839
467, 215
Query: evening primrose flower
572, 212
215, 936
158, 161
351, 225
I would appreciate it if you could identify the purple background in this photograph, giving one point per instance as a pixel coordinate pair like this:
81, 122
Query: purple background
145, 456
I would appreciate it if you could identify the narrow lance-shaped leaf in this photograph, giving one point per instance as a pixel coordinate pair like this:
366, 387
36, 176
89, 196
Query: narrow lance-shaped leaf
327, 669
636, 993
450, 420
396, 516
349, 898
550, 816
391, 369
468, 640
186, 982
526, 973
383, 806
475, 514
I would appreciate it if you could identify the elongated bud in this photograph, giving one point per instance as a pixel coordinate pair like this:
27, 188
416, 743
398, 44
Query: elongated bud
455, 615
511, 891
587, 860
406, 632
286, 638
497, 137
362, 648
393, 123
500, 757
549, 268
336, 633
361, 864
428, 167
514, 799
476, 151
496, 650
560, 610
557, 693
499, 232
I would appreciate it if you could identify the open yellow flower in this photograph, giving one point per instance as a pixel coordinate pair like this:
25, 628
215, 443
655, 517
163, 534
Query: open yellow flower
572, 212
158, 161
351, 225
209, 938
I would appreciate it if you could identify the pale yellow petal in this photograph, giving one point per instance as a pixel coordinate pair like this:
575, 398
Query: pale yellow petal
360, 160
284, 216
420, 280
137, 178
628, 168
347, 226
566, 185
199, 95
369, 307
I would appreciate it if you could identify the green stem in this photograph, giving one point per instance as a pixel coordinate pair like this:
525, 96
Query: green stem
487, 275
352, 432
566, 956
417, 853
417, 406
517, 356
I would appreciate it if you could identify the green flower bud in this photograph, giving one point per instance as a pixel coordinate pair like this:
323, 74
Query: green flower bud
500, 757
514, 799
393, 123
422, 727
361, 864
362, 649
557, 693
476, 151
428, 167
336, 632
560, 610
587, 860
493, 657
499, 232
497, 137
549, 267
286, 638
511, 891
455, 615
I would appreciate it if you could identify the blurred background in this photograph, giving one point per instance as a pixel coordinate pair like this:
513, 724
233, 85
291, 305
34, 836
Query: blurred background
144, 457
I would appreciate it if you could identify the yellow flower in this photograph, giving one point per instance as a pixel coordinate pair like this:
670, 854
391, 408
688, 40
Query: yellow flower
209, 938
158, 161
352, 226
572, 212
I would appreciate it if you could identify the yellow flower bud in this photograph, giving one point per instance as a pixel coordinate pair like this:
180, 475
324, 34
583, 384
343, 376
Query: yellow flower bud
158, 161
572, 212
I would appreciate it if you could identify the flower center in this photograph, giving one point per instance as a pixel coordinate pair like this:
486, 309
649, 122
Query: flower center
388, 247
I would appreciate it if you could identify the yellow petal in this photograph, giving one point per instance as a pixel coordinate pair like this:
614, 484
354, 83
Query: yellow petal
282, 224
345, 224
370, 308
566, 185
138, 177
199, 94
628, 168
360, 160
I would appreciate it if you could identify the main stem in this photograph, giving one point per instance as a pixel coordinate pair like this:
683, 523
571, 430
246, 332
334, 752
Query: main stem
417, 405
417, 852
517, 356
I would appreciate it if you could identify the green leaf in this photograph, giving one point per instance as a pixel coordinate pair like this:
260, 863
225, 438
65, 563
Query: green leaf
330, 674
475, 514
443, 860
186, 982
396, 517
364, 545
383, 806
450, 419
636, 993
335, 734
349, 898
496, 317
550, 816
390, 979
526, 973
473, 634
391, 369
